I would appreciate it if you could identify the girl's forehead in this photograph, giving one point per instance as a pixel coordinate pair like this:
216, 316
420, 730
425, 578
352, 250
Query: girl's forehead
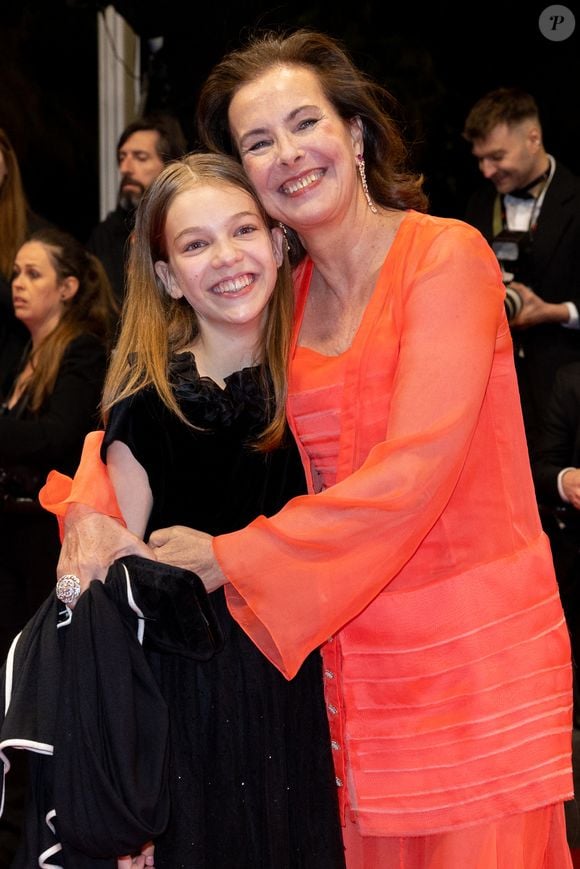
204, 187
209, 196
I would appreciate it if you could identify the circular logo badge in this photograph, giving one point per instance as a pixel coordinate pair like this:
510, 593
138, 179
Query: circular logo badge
557, 23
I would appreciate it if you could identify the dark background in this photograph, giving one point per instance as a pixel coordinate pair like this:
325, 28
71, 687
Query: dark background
436, 60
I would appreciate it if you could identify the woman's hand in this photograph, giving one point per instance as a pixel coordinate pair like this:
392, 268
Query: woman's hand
92, 542
144, 860
190, 549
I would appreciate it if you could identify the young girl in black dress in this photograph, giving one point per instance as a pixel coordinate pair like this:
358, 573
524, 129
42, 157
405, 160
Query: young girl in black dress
196, 435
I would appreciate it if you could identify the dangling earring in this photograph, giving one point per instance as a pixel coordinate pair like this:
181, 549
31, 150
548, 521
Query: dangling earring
360, 163
285, 231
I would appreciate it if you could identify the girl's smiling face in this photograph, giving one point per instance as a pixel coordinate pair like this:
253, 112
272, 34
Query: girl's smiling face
222, 257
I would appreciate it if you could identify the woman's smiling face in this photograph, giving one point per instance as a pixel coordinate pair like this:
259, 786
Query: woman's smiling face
298, 152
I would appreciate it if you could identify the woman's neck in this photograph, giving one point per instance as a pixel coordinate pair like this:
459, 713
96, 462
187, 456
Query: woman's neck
345, 256
342, 286
39, 331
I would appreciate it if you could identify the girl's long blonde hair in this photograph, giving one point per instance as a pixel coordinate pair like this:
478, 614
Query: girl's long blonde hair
155, 326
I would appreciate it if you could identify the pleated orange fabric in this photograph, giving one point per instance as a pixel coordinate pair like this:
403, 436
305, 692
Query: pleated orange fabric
448, 677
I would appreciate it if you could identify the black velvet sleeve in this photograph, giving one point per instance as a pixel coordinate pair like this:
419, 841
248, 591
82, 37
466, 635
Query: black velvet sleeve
138, 423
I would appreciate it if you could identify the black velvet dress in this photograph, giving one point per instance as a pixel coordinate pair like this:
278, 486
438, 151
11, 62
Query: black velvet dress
252, 782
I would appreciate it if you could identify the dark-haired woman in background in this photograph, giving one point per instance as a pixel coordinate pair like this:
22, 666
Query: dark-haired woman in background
62, 296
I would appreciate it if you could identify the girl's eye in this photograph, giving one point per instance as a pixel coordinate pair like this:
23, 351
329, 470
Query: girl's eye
248, 229
194, 245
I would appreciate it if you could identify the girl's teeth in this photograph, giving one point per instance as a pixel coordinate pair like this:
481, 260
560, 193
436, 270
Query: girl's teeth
233, 286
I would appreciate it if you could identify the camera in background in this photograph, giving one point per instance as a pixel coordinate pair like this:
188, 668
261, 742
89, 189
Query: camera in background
512, 249
513, 303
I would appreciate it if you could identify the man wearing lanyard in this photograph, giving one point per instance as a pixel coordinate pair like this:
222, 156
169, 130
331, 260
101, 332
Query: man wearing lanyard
529, 211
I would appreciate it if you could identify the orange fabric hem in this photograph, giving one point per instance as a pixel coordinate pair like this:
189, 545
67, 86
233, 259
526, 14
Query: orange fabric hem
531, 840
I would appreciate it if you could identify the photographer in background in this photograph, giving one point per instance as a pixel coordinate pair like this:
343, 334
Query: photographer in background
529, 211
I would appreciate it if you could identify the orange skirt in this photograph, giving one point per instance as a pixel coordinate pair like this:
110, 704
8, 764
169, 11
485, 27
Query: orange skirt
531, 840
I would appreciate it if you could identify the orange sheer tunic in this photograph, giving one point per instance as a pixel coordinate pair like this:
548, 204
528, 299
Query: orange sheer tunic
448, 678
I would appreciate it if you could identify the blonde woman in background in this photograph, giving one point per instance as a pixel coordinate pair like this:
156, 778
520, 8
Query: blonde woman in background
17, 221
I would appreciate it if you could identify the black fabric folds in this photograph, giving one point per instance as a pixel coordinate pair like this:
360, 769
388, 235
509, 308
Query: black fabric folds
83, 700
210, 407
110, 747
176, 608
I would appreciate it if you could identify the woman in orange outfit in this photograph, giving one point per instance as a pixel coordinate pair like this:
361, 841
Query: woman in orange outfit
417, 563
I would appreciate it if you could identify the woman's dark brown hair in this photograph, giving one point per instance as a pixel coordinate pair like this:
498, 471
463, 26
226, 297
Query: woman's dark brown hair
351, 92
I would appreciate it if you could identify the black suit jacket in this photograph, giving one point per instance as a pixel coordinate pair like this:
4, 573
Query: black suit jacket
109, 242
554, 274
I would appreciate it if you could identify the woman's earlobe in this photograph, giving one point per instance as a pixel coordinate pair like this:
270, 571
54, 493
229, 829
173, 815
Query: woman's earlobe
279, 244
357, 132
69, 288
